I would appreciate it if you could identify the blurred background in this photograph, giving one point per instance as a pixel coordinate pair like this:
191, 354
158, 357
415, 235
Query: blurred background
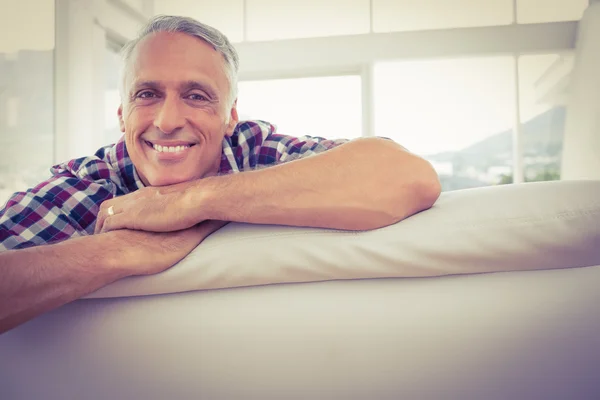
490, 91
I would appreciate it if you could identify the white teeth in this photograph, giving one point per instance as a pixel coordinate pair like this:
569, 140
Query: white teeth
170, 149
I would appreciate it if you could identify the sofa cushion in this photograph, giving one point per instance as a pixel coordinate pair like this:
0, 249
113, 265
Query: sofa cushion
531, 226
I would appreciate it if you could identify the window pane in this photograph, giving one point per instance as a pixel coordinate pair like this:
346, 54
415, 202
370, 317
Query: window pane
544, 88
329, 107
112, 99
537, 11
457, 113
276, 19
413, 15
26, 94
225, 15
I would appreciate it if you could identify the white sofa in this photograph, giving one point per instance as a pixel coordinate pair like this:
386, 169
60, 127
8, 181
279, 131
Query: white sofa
491, 294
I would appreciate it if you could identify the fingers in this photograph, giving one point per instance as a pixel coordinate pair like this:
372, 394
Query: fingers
101, 217
106, 213
113, 222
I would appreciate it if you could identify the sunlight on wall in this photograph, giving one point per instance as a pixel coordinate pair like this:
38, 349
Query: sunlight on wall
538, 11
411, 15
30, 23
225, 15
276, 19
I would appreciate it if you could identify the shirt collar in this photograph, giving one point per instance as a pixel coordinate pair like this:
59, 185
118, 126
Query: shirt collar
118, 157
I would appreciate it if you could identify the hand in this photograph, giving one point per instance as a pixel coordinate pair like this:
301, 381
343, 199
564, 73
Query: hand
152, 209
145, 253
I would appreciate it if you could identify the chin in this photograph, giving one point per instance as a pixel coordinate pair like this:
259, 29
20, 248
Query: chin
169, 180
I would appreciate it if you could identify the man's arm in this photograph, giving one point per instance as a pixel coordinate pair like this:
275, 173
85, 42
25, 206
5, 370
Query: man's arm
38, 279
361, 185
364, 184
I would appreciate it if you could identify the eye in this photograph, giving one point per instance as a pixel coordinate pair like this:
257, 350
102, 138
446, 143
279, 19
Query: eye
197, 97
146, 94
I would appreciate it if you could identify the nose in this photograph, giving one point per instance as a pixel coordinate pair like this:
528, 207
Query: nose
169, 117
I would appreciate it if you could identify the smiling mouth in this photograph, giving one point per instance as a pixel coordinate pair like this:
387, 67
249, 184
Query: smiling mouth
169, 149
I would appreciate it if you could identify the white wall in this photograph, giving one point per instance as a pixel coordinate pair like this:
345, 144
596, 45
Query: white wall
341, 53
266, 20
581, 151
15, 35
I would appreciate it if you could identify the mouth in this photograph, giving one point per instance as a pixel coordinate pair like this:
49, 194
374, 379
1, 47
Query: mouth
174, 148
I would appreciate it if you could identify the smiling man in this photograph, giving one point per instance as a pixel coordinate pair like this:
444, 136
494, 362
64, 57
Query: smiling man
185, 167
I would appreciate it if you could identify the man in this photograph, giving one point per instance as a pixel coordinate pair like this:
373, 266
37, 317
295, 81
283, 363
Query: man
184, 168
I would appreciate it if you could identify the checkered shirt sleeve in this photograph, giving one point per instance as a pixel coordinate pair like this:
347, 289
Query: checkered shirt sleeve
67, 204
59, 208
256, 144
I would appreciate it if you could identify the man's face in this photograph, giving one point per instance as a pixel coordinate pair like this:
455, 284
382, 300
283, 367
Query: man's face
175, 109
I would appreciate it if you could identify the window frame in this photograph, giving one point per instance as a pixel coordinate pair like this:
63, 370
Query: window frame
310, 57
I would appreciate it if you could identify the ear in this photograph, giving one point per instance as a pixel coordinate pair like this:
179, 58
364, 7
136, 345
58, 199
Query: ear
121, 122
233, 120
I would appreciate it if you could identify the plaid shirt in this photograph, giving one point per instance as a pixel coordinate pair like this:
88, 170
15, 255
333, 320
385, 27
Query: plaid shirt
66, 205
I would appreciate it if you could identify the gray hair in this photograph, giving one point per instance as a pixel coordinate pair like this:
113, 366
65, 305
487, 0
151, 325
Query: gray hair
191, 27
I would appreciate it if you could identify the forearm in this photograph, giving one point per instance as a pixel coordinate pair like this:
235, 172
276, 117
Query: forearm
39, 279
361, 185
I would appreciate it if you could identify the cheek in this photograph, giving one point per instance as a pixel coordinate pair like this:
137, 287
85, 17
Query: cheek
134, 127
137, 122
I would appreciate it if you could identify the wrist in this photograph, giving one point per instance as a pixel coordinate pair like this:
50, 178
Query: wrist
101, 253
116, 261
203, 200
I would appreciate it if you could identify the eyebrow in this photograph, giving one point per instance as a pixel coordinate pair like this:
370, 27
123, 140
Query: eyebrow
183, 86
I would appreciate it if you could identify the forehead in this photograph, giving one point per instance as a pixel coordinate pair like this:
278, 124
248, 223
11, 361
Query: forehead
176, 57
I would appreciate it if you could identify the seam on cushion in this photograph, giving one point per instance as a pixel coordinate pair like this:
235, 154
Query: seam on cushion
566, 214
530, 220
490, 223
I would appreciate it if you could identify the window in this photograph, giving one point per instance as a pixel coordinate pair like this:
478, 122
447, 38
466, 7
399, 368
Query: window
460, 115
457, 113
544, 89
26, 94
112, 99
330, 106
